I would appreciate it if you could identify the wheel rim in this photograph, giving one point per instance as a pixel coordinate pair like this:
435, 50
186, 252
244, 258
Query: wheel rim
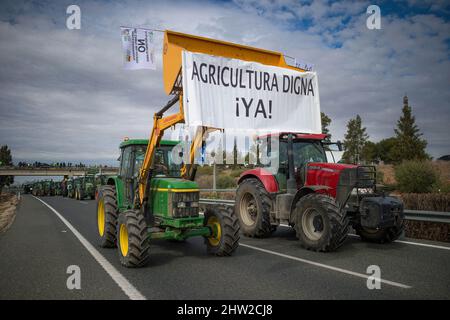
312, 224
123, 237
216, 235
248, 209
101, 218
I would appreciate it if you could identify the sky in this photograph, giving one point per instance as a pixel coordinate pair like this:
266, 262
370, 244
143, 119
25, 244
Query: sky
64, 95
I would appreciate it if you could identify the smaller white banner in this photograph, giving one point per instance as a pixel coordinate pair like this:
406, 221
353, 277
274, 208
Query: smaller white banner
138, 49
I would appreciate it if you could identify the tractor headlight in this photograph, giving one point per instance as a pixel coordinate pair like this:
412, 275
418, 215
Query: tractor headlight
194, 204
181, 204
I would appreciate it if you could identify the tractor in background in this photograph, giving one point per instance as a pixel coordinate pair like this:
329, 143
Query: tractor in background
70, 188
48, 188
319, 200
84, 187
99, 180
38, 189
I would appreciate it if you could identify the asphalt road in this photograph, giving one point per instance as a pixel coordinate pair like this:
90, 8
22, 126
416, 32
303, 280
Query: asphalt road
39, 247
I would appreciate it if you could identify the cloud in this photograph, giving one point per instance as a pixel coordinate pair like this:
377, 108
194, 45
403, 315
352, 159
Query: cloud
65, 97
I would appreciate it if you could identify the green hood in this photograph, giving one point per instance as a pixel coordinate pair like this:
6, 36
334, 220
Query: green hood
172, 183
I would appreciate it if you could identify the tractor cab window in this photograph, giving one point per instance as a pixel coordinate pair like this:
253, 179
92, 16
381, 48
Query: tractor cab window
163, 163
125, 162
138, 159
308, 151
304, 152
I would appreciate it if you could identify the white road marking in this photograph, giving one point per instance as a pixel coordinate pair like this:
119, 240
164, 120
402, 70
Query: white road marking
83, 202
399, 241
413, 243
121, 281
325, 266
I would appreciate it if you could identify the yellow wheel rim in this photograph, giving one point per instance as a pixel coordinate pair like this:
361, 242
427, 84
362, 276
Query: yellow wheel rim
123, 238
101, 218
214, 224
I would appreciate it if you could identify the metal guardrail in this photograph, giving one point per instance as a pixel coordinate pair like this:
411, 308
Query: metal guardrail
416, 215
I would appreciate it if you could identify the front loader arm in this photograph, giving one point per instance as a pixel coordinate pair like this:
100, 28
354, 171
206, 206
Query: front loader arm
160, 124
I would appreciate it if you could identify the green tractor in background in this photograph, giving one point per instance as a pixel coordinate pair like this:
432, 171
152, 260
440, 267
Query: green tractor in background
70, 187
38, 189
57, 188
49, 189
173, 208
99, 181
85, 188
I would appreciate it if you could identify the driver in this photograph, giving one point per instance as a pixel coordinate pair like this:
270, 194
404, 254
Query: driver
159, 166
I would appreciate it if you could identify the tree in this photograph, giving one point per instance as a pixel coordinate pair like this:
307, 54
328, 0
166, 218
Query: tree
5, 160
354, 141
370, 151
326, 121
408, 144
385, 149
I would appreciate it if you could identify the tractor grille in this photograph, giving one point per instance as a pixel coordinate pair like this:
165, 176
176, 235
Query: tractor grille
184, 204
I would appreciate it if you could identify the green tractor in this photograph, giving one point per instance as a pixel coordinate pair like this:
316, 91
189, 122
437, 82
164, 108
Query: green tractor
38, 189
172, 208
85, 188
99, 180
70, 187
57, 188
49, 189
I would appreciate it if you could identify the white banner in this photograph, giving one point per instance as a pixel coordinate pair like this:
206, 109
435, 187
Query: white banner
138, 49
235, 94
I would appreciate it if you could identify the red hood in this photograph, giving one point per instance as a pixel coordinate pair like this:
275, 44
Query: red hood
334, 166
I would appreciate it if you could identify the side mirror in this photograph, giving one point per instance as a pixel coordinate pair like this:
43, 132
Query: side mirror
339, 144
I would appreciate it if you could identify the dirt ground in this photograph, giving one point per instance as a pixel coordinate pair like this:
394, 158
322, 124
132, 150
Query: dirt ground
8, 203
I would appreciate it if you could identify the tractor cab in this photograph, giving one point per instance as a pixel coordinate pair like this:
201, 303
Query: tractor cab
131, 158
306, 148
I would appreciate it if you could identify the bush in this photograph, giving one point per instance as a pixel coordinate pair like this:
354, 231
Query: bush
236, 172
226, 182
205, 170
416, 177
427, 201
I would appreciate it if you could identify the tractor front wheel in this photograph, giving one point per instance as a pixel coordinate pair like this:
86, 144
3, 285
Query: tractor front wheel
132, 239
384, 235
319, 225
224, 225
107, 216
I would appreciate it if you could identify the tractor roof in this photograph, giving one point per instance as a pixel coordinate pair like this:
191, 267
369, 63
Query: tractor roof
144, 142
302, 136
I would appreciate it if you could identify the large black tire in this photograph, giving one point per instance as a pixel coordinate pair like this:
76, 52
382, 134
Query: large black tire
385, 235
252, 206
319, 224
132, 239
224, 225
107, 197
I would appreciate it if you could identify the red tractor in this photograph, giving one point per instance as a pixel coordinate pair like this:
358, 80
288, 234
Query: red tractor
319, 199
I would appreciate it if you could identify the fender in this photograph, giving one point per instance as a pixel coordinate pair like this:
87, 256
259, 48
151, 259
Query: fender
303, 191
265, 176
117, 182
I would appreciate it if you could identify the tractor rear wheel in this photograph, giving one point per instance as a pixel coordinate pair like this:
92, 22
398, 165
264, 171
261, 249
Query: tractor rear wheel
107, 216
224, 225
319, 224
132, 239
384, 235
252, 206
